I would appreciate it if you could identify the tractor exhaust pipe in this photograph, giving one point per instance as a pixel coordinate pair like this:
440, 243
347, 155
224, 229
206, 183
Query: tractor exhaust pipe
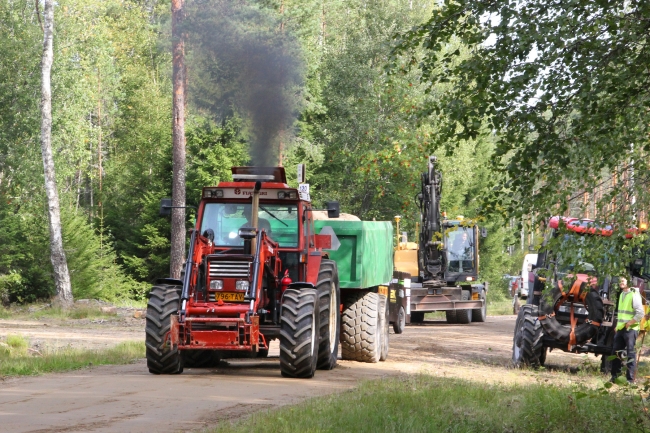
255, 211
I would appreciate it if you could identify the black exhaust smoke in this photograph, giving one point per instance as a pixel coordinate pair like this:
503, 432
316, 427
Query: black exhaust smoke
242, 63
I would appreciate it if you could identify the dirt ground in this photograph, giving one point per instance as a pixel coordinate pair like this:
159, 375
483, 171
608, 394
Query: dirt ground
129, 399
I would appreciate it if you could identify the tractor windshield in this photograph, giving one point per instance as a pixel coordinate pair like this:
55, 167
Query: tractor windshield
279, 220
460, 249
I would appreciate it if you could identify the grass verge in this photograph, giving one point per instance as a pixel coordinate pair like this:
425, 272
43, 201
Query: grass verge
38, 311
17, 360
78, 312
430, 404
502, 307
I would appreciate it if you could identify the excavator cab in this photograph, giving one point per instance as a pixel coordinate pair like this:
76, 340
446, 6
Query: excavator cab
461, 250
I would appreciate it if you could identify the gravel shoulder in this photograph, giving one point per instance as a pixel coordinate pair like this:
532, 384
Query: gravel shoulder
128, 398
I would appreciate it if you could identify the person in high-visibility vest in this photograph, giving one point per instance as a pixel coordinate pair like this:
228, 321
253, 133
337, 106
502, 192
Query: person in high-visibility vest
630, 313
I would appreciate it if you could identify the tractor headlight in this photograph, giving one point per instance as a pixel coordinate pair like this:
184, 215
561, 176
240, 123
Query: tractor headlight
287, 194
216, 284
241, 285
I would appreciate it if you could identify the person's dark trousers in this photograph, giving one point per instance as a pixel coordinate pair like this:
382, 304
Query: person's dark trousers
624, 341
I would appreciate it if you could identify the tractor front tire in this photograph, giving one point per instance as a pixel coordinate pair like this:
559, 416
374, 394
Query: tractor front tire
164, 302
400, 323
299, 333
360, 332
527, 344
329, 298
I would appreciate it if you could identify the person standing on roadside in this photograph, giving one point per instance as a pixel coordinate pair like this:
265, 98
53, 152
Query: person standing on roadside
630, 313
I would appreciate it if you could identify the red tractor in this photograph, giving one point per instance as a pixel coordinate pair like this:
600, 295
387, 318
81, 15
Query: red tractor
255, 272
577, 313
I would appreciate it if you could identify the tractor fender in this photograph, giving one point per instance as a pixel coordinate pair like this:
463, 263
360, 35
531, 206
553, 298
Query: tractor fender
562, 333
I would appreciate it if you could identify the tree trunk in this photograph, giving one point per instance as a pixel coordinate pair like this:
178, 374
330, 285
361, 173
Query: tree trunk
178, 141
63, 295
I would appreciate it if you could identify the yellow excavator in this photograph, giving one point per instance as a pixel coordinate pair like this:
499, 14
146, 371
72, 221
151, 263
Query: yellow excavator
444, 263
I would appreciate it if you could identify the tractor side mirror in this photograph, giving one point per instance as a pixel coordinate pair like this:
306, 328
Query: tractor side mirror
165, 207
333, 209
483, 232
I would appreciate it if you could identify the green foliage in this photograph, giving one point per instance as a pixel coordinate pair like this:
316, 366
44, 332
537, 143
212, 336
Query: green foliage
563, 87
94, 272
356, 127
17, 344
212, 151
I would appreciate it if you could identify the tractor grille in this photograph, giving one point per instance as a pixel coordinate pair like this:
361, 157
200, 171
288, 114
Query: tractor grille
229, 270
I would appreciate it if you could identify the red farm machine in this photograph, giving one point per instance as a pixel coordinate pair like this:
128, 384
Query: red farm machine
257, 271
578, 312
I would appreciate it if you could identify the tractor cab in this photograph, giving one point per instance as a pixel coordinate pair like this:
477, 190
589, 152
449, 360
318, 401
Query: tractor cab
257, 215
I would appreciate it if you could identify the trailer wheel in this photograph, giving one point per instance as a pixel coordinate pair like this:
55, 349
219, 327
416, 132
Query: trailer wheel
417, 317
197, 358
360, 332
527, 347
383, 327
299, 333
451, 317
400, 323
464, 317
480, 314
329, 296
164, 302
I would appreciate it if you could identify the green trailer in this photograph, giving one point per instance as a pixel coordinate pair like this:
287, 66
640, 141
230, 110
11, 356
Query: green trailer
372, 296
365, 256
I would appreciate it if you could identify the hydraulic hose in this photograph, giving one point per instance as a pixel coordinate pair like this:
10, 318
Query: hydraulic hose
189, 264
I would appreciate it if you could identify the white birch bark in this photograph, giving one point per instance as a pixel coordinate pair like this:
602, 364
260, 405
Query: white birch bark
63, 295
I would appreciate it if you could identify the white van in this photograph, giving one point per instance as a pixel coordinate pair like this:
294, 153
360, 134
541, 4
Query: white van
530, 260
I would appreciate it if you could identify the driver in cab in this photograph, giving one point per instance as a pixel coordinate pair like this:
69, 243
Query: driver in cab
262, 223
462, 246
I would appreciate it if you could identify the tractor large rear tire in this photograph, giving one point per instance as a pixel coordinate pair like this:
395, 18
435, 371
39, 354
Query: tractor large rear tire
451, 317
527, 344
164, 302
464, 317
360, 332
299, 333
329, 297
383, 327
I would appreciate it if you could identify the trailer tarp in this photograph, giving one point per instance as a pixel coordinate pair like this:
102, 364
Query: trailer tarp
365, 257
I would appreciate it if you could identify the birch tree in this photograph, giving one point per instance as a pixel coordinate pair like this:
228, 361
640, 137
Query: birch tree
63, 295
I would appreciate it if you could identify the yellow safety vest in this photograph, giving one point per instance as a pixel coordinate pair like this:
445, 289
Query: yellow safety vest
626, 310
